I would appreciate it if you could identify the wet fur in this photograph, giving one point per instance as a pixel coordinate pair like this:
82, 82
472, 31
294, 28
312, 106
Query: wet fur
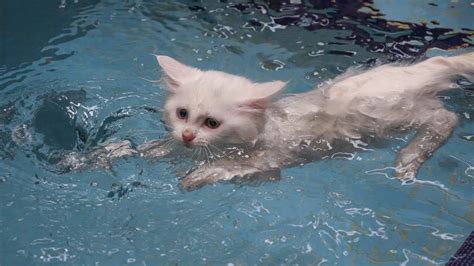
307, 126
355, 107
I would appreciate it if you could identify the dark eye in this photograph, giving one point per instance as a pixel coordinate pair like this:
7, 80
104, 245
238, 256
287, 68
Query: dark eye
212, 123
182, 113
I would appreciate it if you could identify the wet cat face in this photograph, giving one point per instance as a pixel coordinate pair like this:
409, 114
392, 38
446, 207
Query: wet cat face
213, 107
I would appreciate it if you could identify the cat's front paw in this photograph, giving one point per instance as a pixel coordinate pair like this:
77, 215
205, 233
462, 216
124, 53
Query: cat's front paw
154, 149
71, 161
408, 162
407, 172
121, 149
204, 176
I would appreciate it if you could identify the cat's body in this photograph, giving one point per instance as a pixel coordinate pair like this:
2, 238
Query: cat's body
223, 110
352, 108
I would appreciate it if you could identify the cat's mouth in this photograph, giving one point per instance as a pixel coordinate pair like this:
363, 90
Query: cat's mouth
193, 145
189, 145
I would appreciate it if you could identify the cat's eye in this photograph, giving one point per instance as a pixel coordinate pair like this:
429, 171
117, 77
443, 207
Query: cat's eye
212, 123
182, 113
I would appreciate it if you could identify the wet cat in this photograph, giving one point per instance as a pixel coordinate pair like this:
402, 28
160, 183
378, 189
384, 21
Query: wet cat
208, 110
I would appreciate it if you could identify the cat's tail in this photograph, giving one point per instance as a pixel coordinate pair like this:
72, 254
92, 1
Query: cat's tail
435, 74
447, 68
463, 65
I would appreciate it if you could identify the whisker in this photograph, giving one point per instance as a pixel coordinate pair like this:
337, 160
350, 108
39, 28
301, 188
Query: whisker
222, 153
207, 156
218, 153
194, 154
167, 142
217, 148
168, 127
211, 155
200, 154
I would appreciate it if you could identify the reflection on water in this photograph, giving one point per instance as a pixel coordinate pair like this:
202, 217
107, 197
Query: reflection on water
76, 74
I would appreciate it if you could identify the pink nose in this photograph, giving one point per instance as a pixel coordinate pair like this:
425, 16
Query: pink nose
188, 135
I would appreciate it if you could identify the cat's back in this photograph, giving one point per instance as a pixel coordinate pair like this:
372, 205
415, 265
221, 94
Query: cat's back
389, 87
390, 81
383, 81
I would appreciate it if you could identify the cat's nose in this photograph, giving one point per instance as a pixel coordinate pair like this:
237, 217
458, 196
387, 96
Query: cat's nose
188, 135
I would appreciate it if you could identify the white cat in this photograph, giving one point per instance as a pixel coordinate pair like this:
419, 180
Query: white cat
213, 110
207, 108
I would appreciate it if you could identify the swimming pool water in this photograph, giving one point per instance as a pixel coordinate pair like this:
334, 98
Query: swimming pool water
75, 74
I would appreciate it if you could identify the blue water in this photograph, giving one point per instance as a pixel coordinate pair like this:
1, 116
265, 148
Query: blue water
75, 74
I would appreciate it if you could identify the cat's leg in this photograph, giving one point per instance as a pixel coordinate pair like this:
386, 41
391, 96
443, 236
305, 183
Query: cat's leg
226, 170
118, 150
156, 149
101, 156
430, 136
104, 155
151, 150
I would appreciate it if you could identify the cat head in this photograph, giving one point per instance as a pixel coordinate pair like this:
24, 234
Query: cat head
213, 107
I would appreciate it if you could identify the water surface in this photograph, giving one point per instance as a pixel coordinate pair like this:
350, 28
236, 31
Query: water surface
75, 74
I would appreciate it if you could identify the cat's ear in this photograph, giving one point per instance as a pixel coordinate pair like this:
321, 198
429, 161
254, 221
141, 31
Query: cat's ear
261, 95
269, 89
175, 71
